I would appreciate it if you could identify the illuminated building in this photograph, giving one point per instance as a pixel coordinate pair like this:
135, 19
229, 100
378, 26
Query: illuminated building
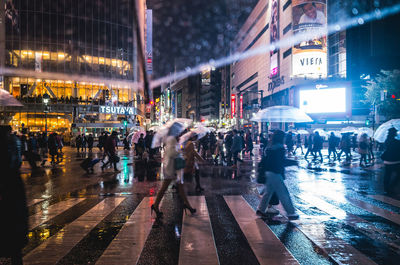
323, 75
90, 50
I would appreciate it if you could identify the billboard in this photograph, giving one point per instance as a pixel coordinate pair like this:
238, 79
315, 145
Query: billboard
274, 37
309, 57
233, 105
327, 100
149, 41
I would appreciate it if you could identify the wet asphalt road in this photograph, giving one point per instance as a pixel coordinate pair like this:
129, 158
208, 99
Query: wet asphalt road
344, 215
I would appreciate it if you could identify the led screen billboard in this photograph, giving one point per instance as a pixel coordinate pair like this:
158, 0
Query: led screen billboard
274, 37
309, 57
329, 100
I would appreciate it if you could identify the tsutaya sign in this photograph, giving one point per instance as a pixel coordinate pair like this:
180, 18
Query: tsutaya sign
117, 110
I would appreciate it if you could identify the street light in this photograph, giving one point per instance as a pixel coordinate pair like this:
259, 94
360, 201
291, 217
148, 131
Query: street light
46, 99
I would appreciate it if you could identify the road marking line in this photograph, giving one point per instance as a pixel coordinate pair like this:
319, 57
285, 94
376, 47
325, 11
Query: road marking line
57, 246
266, 246
385, 199
197, 241
128, 244
51, 211
394, 217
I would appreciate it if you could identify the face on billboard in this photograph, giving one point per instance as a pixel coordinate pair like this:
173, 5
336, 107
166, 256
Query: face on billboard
331, 100
309, 16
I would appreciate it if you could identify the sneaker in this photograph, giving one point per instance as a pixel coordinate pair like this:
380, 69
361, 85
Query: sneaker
293, 216
261, 214
272, 210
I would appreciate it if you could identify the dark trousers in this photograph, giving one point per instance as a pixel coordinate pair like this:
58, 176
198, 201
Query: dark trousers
330, 151
389, 182
236, 157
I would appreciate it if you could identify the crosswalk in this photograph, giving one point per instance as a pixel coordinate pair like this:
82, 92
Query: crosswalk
121, 230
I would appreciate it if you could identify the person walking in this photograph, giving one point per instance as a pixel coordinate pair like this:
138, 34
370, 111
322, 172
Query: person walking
228, 147
249, 144
371, 156
332, 145
299, 144
317, 145
391, 160
14, 223
236, 148
219, 150
102, 141
170, 168
78, 143
289, 143
309, 145
32, 151
191, 167
110, 151
53, 148
274, 167
140, 146
345, 146
363, 149
84, 143
90, 141
42, 141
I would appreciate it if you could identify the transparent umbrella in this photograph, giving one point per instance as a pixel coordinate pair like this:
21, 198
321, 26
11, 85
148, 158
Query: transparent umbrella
281, 114
6, 99
136, 136
200, 131
301, 132
349, 129
365, 130
336, 133
382, 131
174, 127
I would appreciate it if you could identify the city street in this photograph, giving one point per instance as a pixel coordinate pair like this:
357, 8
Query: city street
105, 218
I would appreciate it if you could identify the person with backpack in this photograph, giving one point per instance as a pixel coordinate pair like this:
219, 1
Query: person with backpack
273, 167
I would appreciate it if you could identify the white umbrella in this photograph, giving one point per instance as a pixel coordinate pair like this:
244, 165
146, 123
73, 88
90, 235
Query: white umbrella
6, 99
365, 130
174, 127
348, 129
321, 132
336, 133
381, 133
281, 114
301, 132
136, 136
200, 131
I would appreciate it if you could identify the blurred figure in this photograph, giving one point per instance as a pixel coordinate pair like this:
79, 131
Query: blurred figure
236, 147
299, 144
191, 167
317, 145
289, 143
43, 148
219, 151
309, 145
14, 224
391, 160
249, 144
363, 149
228, 147
275, 163
371, 156
78, 143
84, 143
354, 142
110, 151
126, 143
90, 141
140, 146
332, 145
345, 146
102, 141
53, 148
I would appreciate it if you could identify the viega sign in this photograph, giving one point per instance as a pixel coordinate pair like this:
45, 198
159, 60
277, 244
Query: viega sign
117, 110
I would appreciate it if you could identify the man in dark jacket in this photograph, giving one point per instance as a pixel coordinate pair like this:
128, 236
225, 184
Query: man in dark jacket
110, 150
228, 147
317, 147
237, 146
391, 160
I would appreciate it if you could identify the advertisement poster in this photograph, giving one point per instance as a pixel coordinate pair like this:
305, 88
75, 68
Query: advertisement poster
149, 41
310, 57
274, 37
233, 105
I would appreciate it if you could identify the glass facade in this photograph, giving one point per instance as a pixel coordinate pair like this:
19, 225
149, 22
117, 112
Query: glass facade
89, 38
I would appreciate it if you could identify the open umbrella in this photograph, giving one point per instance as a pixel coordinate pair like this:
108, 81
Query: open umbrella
365, 130
174, 127
336, 133
381, 133
301, 132
6, 99
200, 131
136, 136
348, 129
281, 114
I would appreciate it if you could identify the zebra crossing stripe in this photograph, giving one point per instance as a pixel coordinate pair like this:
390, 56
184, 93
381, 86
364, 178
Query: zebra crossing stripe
394, 217
197, 241
266, 246
128, 244
385, 199
57, 246
349, 219
34, 201
52, 211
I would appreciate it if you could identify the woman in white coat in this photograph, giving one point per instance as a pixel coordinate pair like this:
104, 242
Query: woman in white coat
170, 172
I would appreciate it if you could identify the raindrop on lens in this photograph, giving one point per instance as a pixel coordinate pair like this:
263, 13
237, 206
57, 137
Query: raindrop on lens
354, 11
360, 21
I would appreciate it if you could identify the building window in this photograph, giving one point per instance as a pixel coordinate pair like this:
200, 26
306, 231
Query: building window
287, 53
287, 28
287, 4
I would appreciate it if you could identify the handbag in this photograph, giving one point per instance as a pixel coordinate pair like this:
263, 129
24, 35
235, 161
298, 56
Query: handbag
115, 159
179, 163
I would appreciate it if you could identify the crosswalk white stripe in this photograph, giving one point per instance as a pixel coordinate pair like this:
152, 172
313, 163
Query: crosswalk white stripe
51, 211
34, 201
197, 241
350, 219
394, 217
385, 199
57, 246
128, 244
338, 249
264, 243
